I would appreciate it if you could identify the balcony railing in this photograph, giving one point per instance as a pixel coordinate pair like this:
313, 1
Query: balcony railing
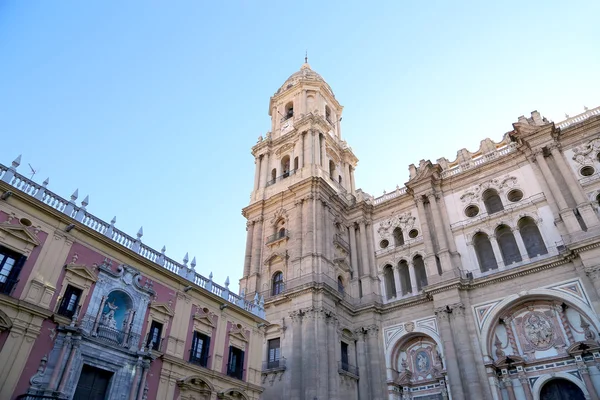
117, 337
36, 397
285, 234
280, 177
274, 365
346, 367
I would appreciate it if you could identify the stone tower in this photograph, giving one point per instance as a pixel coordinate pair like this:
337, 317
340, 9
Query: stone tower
301, 254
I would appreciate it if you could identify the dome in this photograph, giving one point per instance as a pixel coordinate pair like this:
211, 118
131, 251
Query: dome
306, 74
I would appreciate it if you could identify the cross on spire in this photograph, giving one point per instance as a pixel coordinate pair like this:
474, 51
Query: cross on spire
306, 56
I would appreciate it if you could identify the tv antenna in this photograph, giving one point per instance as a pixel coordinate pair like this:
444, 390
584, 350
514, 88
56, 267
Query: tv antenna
33, 172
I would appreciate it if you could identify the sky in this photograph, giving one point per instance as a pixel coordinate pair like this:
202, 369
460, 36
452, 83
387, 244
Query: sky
151, 107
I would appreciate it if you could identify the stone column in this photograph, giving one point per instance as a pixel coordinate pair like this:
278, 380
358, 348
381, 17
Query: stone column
353, 250
413, 278
267, 169
304, 109
322, 356
332, 345
296, 357
374, 363
361, 355
525, 385
301, 157
347, 176
352, 185
58, 367
566, 214
497, 252
397, 282
309, 355
364, 252
298, 227
323, 153
98, 316
585, 374
371, 250
439, 232
257, 235
248, 254
134, 382
520, 244
319, 231
67, 370
316, 148
509, 387
146, 367
450, 358
587, 213
257, 162
465, 353
308, 213
427, 238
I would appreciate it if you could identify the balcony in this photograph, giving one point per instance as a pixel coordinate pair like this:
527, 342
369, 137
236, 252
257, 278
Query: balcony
274, 365
116, 337
347, 369
281, 235
280, 177
340, 241
36, 397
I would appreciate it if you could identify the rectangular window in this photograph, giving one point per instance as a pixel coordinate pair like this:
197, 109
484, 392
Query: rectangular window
154, 335
345, 365
70, 301
274, 353
235, 365
10, 267
200, 348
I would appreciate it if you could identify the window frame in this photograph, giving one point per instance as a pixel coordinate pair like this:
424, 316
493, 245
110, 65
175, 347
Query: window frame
63, 308
155, 344
235, 368
204, 339
273, 353
11, 277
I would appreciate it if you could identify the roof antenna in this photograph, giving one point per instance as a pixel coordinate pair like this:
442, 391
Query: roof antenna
33, 172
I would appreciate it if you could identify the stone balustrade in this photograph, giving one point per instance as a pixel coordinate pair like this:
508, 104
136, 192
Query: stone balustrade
80, 214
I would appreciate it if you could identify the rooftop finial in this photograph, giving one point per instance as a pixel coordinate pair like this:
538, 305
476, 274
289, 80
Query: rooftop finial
306, 56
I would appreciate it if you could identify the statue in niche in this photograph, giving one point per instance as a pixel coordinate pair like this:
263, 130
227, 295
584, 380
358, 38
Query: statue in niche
538, 330
109, 318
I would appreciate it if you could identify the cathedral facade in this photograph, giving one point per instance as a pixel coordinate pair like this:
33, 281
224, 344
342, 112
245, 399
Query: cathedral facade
479, 279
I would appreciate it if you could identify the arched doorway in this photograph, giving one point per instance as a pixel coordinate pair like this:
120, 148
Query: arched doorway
561, 389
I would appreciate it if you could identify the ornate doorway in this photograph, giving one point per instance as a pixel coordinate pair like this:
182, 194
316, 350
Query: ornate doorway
561, 389
93, 384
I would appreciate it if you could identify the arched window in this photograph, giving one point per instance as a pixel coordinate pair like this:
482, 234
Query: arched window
534, 243
420, 273
508, 245
340, 285
340, 179
273, 175
278, 285
285, 166
289, 110
390, 285
328, 114
492, 201
331, 169
295, 163
438, 264
405, 284
398, 237
485, 253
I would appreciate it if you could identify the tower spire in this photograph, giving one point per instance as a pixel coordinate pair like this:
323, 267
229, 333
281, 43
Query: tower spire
306, 57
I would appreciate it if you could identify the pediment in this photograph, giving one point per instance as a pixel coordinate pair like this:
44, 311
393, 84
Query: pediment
237, 331
82, 271
162, 308
203, 315
19, 232
275, 257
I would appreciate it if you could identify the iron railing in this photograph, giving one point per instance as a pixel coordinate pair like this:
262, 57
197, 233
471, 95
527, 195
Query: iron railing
35, 397
274, 364
283, 234
280, 177
344, 366
117, 337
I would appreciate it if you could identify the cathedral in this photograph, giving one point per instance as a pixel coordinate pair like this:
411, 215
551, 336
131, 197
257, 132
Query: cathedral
478, 279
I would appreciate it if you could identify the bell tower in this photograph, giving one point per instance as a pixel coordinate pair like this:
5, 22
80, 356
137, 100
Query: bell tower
301, 256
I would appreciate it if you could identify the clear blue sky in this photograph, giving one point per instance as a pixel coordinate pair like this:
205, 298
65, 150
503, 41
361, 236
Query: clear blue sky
151, 107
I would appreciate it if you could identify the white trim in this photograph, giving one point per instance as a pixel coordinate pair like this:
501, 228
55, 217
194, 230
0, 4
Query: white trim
537, 386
